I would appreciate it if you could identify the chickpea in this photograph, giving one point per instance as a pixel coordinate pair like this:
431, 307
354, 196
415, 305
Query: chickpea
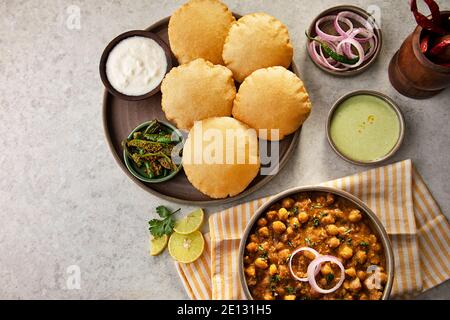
290, 297
280, 246
294, 223
332, 230
375, 260
337, 213
252, 247
250, 271
328, 219
283, 255
330, 199
254, 238
290, 231
268, 296
252, 281
375, 295
273, 257
383, 278
303, 217
314, 294
309, 255
262, 222
283, 214
346, 285
334, 242
278, 227
320, 200
319, 235
346, 252
264, 232
355, 285
265, 282
326, 269
372, 239
361, 275
376, 247
351, 272
287, 203
272, 215
355, 216
280, 291
322, 282
361, 257
342, 230
247, 260
261, 263
283, 271
273, 269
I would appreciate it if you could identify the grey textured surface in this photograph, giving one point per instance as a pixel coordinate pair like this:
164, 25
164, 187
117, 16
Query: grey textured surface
63, 200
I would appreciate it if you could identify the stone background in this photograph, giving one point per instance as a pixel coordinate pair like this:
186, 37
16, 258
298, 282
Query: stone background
64, 201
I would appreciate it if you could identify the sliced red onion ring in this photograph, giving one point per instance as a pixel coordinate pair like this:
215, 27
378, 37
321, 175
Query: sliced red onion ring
315, 264
373, 43
367, 35
338, 28
317, 268
329, 37
331, 65
343, 43
319, 57
356, 17
358, 47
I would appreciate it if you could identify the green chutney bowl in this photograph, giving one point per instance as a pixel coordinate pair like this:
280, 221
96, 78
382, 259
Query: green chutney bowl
139, 173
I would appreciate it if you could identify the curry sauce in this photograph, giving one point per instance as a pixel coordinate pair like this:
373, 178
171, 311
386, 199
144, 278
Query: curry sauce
329, 224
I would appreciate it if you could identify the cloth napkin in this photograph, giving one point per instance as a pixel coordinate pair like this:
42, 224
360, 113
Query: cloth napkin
419, 233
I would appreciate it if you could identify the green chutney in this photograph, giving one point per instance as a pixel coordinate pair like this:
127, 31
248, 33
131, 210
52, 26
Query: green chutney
365, 128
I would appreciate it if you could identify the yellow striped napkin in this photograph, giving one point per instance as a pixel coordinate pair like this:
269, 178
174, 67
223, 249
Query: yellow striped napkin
418, 230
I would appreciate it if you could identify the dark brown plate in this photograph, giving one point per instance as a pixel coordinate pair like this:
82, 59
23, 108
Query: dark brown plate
120, 117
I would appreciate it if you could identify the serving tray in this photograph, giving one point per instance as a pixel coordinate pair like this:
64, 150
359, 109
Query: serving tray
120, 117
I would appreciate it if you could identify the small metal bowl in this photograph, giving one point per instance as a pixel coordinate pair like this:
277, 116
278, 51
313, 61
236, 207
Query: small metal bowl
375, 224
391, 103
116, 41
137, 172
328, 28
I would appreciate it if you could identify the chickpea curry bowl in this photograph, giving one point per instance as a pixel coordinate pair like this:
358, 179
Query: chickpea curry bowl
316, 243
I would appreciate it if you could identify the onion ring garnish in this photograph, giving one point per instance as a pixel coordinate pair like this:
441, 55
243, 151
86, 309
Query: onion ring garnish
342, 57
329, 37
357, 46
315, 264
317, 269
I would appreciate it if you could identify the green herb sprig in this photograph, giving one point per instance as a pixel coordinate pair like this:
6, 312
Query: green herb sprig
164, 226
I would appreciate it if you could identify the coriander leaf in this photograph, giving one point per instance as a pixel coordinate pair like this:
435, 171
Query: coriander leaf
290, 290
364, 244
163, 212
316, 222
158, 228
330, 277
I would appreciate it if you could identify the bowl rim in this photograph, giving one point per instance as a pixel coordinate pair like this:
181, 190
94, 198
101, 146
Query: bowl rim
391, 103
136, 174
374, 221
114, 43
365, 15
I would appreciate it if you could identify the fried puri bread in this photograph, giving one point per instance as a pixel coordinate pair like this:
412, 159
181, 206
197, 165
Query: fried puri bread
220, 157
196, 91
198, 30
272, 98
256, 41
